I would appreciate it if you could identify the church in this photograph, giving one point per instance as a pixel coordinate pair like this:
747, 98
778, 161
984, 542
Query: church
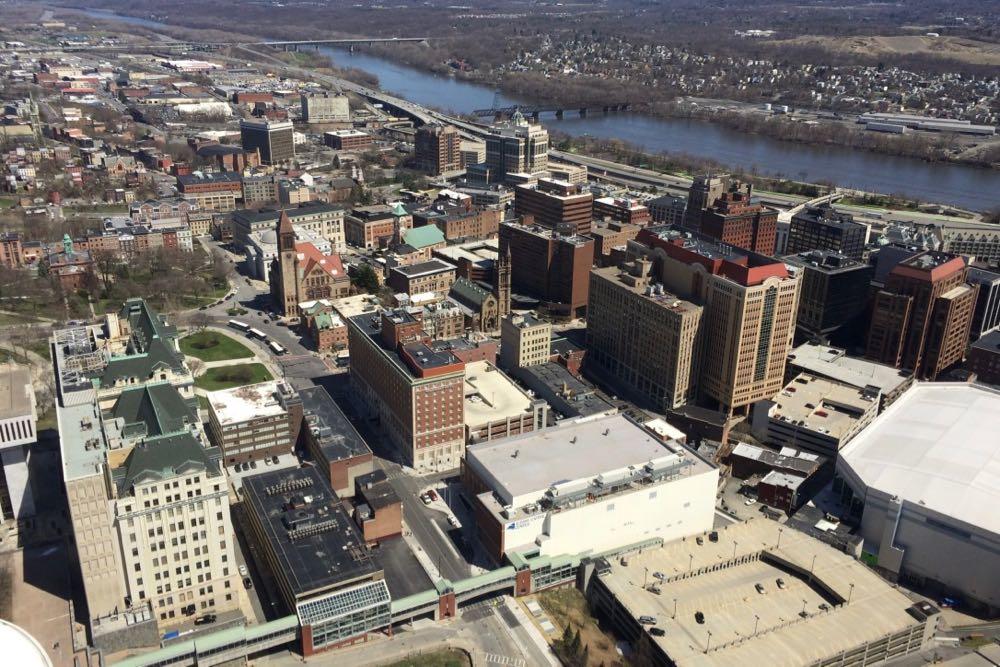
301, 272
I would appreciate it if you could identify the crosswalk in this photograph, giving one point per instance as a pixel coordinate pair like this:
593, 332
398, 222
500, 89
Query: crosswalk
494, 659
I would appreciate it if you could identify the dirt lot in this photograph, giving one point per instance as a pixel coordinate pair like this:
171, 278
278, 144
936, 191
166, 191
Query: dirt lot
567, 605
953, 48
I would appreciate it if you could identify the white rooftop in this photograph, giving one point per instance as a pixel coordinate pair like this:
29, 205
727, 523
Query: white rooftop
936, 446
834, 363
240, 404
490, 395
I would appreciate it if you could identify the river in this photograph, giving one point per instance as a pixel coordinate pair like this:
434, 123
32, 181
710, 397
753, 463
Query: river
959, 185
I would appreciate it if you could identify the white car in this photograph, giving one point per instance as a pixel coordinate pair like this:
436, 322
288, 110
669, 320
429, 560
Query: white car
452, 521
749, 502
243, 570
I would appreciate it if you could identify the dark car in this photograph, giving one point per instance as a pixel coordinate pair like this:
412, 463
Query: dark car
205, 620
247, 583
657, 632
699, 617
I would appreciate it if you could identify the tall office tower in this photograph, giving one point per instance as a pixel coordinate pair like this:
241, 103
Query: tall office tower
517, 150
921, 319
553, 203
274, 139
437, 149
987, 315
643, 339
832, 299
549, 266
705, 189
749, 302
736, 219
325, 107
824, 228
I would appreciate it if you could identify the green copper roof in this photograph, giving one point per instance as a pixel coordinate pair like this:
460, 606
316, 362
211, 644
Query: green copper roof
152, 410
165, 457
422, 237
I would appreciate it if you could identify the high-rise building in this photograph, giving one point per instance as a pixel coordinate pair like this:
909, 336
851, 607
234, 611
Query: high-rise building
517, 147
641, 338
735, 218
705, 189
18, 419
921, 319
824, 228
437, 149
749, 302
525, 340
987, 315
833, 294
553, 203
275, 140
325, 107
549, 266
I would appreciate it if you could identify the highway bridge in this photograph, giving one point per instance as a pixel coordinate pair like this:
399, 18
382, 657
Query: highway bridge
558, 109
291, 45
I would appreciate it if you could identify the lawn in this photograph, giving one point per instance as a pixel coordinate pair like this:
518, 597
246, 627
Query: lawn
227, 377
567, 606
213, 346
7, 319
442, 658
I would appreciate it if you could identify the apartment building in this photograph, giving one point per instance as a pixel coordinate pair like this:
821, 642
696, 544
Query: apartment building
259, 190
524, 341
255, 421
437, 149
217, 193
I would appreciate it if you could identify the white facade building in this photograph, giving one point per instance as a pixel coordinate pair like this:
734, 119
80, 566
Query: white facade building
18, 416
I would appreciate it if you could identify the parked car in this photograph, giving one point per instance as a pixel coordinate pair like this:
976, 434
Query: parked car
452, 521
274, 459
243, 570
659, 575
699, 618
425, 498
647, 620
750, 502
657, 632
780, 582
247, 583
760, 588
433, 494
253, 464
205, 620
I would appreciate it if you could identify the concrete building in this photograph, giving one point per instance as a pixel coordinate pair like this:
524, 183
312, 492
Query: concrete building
735, 218
832, 299
611, 241
437, 149
321, 565
517, 150
258, 190
335, 445
255, 421
815, 414
835, 364
824, 228
495, 407
571, 173
922, 318
642, 339
434, 276
18, 420
590, 485
274, 140
555, 204
922, 479
325, 107
667, 210
755, 593
549, 266
524, 341
416, 392
986, 317
984, 358
347, 140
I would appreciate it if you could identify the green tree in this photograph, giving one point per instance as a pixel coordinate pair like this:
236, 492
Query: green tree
365, 279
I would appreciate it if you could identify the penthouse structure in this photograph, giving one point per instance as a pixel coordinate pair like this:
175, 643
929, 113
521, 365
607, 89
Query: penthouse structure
334, 443
588, 486
749, 305
824, 228
255, 421
832, 298
736, 219
641, 337
922, 318
416, 392
555, 204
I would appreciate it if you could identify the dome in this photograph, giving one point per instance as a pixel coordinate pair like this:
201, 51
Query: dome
20, 648
269, 236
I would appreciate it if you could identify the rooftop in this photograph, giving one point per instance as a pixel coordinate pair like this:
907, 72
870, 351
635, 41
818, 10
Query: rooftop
577, 396
427, 268
333, 431
240, 404
731, 606
835, 364
787, 459
16, 394
490, 395
315, 542
989, 342
826, 261
936, 446
822, 405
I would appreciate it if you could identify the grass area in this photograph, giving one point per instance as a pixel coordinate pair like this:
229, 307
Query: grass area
227, 377
567, 607
236, 312
203, 403
7, 202
15, 318
214, 346
442, 658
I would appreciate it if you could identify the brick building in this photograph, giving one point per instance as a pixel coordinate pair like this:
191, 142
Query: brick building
554, 204
431, 276
254, 422
333, 442
437, 149
301, 272
736, 219
627, 211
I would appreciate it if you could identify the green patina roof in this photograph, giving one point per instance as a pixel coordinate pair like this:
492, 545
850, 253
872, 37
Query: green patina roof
324, 321
158, 407
422, 237
166, 457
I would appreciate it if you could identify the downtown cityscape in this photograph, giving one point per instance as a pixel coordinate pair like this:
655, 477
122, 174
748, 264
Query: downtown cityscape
610, 333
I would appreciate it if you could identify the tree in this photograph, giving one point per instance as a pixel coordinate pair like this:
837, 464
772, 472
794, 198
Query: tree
200, 320
365, 279
106, 262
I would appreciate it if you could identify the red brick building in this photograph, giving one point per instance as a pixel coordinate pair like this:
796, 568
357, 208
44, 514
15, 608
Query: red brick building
736, 219
555, 204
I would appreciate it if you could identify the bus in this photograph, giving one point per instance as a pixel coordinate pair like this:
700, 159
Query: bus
256, 333
242, 326
276, 347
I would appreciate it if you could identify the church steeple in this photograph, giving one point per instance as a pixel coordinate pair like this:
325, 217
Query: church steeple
502, 279
286, 235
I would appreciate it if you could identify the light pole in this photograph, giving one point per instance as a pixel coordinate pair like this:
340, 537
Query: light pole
735, 543
780, 531
803, 606
850, 594
675, 608
645, 575
690, 561
756, 620
708, 643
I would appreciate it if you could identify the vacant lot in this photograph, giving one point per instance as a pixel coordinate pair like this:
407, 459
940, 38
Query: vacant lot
227, 377
214, 346
951, 48
567, 606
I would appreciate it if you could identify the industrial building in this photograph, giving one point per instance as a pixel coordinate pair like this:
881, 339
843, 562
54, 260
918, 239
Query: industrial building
757, 593
588, 485
923, 480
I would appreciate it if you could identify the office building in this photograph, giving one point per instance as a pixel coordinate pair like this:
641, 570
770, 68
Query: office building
325, 107
372, 227
705, 190
321, 566
835, 364
416, 392
555, 205
18, 420
316, 218
755, 593
824, 228
301, 272
736, 219
548, 266
611, 240
641, 339
749, 303
667, 210
495, 407
255, 421
216, 193
524, 341
571, 173
625, 211
275, 140
459, 224
984, 358
591, 485
347, 140
832, 299
986, 317
258, 190
922, 482
437, 149
335, 445
921, 320
516, 150
472, 152
433, 276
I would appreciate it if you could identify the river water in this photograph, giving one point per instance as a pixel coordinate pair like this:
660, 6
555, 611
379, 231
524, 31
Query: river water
959, 185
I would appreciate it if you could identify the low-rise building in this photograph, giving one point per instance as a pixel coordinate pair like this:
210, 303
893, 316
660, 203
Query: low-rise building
495, 407
524, 341
254, 421
347, 140
378, 509
835, 364
212, 192
568, 396
984, 358
625, 211
333, 442
431, 276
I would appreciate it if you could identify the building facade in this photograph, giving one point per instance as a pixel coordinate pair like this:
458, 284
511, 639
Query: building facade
437, 149
524, 341
735, 218
517, 147
824, 228
274, 140
555, 204
255, 421
832, 295
325, 107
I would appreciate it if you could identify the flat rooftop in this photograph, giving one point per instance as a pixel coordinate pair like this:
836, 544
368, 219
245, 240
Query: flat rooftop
573, 451
936, 446
823, 405
834, 363
240, 404
350, 306
490, 395
731, 605
424, 268
313, 539
333, 431
15, 392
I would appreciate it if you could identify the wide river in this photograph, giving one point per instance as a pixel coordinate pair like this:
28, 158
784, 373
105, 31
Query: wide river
959, 185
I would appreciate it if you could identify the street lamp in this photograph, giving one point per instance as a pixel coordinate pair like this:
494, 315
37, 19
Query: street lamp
690, 561
645, 575
734, 549
850, 594
675, 608
756, 620
708, 643
803, 606
780, 531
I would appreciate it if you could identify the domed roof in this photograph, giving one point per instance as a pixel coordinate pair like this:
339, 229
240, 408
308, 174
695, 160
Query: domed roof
20, 648
269, 236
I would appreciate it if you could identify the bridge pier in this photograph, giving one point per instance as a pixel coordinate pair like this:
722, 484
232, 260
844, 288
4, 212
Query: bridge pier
535, 116
559, 114
583, 112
